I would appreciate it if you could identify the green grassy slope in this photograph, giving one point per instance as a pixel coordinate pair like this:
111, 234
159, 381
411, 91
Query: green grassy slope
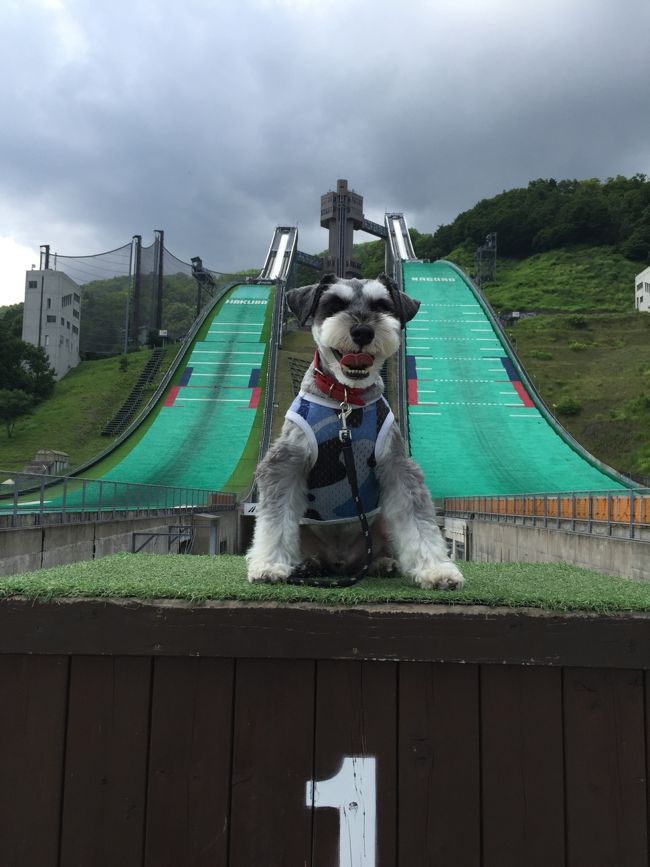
593, 372
574, 279
72, 419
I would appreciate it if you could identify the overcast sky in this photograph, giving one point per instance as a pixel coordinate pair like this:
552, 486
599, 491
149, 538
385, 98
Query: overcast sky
217, 120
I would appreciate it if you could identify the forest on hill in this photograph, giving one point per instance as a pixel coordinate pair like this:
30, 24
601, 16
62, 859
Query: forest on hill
549, 214
546, 215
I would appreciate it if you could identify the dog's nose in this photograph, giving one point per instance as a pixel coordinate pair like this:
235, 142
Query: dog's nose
362, 334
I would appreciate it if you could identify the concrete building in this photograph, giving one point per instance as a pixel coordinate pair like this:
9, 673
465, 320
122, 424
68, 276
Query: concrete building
642, 291
52, 317
341, 212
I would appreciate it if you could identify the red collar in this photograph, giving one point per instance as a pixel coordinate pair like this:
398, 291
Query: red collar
329, 386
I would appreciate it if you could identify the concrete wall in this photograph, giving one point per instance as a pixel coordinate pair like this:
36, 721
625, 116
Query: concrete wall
510, 543
642, 291
228, 532
28, 548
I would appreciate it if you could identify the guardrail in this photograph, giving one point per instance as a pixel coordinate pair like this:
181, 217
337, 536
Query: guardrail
272, 365
39, 499
600, 512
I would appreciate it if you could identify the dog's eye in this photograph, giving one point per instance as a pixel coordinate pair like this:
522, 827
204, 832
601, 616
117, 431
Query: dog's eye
334, 304
382, 305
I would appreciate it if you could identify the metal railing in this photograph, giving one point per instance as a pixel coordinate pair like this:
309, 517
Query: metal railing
607, 513
30, 498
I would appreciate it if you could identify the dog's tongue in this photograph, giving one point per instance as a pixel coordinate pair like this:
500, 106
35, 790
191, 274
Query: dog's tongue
357, 361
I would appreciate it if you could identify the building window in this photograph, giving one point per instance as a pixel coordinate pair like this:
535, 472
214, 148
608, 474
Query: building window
51, 318
67, 325
32, 284
62, 321
77, 298
75, 330
60, 340
75, 313
49, 303
46, 342
66, 300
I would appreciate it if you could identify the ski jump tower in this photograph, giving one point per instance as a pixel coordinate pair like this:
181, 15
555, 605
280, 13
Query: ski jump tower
341, 212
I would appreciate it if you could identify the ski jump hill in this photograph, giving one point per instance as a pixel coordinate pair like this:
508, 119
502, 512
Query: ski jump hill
473, 420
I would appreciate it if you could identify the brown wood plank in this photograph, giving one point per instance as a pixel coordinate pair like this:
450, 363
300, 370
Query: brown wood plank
439, 766
106, 762
356, 716
33, 694
522, 767
272, 763
426, 633
189, 763
605, 768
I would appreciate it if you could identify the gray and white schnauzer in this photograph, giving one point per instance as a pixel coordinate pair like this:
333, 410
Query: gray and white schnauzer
307, 518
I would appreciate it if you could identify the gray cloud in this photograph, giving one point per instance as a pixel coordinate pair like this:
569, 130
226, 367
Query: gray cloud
219, 120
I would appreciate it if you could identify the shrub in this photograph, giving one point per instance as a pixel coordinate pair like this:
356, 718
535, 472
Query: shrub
576, 346
568, 406
577, 321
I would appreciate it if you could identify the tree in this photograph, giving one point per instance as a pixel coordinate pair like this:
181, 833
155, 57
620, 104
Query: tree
11, 320
14, 403
25, 367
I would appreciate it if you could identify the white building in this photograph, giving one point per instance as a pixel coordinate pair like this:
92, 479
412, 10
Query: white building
52, 317
642, 291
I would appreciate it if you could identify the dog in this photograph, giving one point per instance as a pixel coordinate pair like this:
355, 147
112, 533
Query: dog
306, 516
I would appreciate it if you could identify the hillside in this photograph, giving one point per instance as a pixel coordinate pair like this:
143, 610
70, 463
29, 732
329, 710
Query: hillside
72, 419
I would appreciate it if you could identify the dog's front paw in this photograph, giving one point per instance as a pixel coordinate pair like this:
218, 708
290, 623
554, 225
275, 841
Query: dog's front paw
443, 576
268, 573
383, 567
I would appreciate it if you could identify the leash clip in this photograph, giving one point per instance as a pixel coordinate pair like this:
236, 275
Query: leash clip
344, 433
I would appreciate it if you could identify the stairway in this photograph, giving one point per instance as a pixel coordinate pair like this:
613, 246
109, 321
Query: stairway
125, 413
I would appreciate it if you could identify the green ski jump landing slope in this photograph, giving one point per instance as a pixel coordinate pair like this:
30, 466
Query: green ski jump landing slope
476, 426
203, 433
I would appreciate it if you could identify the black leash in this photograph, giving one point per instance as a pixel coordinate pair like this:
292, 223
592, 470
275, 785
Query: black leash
302, 575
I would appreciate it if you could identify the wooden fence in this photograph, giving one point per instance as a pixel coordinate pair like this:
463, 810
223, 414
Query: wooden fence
253, 736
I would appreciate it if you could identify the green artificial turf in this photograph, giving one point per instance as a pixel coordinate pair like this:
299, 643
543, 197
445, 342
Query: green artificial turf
552, 586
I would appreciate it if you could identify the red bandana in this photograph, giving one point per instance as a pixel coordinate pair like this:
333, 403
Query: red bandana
329, 386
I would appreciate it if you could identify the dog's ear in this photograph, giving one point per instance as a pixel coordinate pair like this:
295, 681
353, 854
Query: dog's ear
303, 301
405, 306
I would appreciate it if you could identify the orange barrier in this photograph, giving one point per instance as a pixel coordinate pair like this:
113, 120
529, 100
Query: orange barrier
599, 508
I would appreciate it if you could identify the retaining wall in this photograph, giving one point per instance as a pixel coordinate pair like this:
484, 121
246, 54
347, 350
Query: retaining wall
24, 549
510, 543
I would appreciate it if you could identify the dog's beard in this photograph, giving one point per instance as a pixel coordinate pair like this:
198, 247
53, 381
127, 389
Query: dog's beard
334, 342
